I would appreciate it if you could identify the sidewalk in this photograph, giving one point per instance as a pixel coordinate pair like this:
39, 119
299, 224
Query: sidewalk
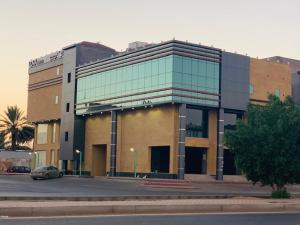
68, 208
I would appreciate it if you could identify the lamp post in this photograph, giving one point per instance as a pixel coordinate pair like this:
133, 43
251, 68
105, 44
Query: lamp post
37, 159
80, 160
134, 160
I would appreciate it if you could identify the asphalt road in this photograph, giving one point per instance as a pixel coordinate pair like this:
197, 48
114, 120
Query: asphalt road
192, 219
24, 186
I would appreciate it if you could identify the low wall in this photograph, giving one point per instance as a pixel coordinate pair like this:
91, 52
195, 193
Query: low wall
14, 158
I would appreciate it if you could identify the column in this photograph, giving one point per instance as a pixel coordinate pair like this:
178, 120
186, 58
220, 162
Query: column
220, 155
113, 143
181, 141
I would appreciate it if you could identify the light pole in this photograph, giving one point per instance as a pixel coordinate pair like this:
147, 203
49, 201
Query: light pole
37, 160
80, 160
134, 160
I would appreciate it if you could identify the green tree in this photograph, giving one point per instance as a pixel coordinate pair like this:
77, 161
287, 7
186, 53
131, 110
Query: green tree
14, 127
267, 144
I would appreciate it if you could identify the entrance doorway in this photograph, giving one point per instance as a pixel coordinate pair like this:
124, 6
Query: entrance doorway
160, 159
195, 160
99, 160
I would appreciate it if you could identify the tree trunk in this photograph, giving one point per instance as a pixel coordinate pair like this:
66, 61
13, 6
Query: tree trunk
13, 142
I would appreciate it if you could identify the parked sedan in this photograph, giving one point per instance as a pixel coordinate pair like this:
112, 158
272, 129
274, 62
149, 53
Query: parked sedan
46, 172
18, 169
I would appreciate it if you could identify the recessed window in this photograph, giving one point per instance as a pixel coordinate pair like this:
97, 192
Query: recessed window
277, 92
66, 136
69, 77
42, 133
56, 100
67, 107
54, 133
251, 88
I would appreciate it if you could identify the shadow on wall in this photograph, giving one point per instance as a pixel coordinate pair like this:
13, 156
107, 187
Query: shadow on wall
14, 158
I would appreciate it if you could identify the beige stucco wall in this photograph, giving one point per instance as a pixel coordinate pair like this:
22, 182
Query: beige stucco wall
138, 129
267, 76
41, 104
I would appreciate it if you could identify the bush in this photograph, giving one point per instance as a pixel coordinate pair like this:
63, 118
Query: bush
283, 193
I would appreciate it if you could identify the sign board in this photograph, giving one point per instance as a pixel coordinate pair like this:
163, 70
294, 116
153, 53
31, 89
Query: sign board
46, 59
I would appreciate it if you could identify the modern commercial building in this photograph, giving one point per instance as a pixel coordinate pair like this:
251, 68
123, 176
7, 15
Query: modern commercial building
158, 110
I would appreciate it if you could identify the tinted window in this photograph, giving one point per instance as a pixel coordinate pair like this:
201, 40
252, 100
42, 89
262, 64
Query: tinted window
197, 123
230, 120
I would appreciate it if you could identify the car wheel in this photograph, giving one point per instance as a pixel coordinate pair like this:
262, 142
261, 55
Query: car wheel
47, 176
60, 175
34, 178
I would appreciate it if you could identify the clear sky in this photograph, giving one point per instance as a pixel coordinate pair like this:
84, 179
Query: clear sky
33, 28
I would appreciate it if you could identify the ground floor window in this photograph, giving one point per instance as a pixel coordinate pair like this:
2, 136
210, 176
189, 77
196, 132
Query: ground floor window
195, 160
160, 159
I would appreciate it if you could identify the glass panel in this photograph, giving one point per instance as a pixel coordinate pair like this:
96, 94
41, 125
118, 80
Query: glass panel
197, 123
170, 71
251, 88
230, 120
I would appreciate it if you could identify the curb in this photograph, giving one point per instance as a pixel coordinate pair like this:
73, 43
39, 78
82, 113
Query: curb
144, 209
123, 198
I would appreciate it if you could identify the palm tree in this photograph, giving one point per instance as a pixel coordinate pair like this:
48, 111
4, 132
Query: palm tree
14, 127
1, 141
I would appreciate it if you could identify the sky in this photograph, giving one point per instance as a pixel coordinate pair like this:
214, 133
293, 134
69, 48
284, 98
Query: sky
33, 28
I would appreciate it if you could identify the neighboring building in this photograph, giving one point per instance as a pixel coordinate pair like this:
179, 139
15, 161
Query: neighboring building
161, 109
295, 67
51, 86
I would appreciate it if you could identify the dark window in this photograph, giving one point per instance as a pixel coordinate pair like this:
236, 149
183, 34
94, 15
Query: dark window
66, 136
230, 120
69, 77
160, 159
197, 123
68, 107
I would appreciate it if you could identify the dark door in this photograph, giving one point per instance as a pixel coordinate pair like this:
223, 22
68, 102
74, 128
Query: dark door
160, 159
195, 160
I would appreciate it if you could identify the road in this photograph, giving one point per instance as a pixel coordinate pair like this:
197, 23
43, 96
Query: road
24, 186
67, 186
192, 219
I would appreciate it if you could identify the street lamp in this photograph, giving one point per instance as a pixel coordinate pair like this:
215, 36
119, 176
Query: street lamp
134, 160
37, 159
80, 160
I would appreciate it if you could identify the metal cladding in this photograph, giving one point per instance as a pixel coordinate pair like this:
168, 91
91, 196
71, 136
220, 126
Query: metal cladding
234, 81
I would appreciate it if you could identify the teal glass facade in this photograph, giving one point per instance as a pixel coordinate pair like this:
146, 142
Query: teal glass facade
167, 79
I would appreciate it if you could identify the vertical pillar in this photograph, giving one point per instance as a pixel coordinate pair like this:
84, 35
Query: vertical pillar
181, 141
113, 143
220, 157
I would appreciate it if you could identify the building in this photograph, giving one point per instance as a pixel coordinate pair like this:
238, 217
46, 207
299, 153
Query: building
295, 68
158, 110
